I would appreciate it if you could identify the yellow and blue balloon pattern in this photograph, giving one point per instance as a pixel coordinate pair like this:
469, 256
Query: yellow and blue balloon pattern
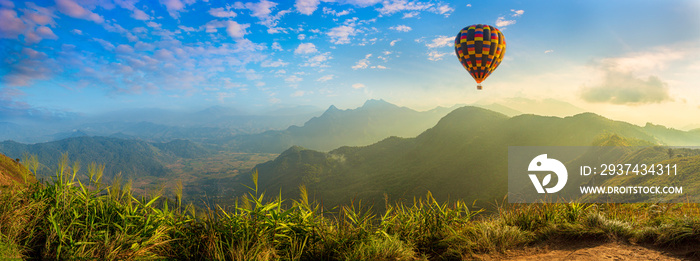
480, 49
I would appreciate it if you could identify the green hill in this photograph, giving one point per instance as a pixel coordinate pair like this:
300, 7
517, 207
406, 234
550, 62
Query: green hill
131, 158
686, 174
13, 172
674, 137
463, 156
374, 121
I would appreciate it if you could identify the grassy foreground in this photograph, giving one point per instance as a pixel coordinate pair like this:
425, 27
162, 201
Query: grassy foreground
66, 219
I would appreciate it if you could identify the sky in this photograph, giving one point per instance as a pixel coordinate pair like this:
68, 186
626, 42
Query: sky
637, 61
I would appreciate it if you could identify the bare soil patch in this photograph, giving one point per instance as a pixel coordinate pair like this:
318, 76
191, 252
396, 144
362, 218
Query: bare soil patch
595, 250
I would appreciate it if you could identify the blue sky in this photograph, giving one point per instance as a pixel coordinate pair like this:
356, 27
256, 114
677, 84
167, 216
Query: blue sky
628, 60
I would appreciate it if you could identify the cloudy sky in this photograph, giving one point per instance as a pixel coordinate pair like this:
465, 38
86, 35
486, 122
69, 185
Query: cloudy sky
637, 61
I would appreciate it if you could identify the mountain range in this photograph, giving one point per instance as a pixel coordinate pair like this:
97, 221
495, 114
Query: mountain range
210, 125
463, 156
374, 121
362, 153
131, 158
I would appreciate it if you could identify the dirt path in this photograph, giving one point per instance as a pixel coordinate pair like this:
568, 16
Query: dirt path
591, 250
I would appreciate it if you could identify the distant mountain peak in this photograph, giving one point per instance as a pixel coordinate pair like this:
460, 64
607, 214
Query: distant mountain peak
294, 149
588, 115
470, 111
331, 111
372, 103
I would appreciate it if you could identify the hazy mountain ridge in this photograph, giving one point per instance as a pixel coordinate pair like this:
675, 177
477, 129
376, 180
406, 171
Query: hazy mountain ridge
131, 158
374, 121
463, 156
210, 125
449, 157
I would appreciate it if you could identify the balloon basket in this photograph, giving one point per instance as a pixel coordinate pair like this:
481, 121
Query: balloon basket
478, 86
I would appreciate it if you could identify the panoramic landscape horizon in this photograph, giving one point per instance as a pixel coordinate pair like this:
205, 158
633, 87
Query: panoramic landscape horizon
349, 129
70, 57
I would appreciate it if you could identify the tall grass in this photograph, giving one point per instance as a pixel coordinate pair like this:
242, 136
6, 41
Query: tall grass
68, 219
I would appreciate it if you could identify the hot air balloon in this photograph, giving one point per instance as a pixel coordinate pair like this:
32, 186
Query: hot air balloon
480, 49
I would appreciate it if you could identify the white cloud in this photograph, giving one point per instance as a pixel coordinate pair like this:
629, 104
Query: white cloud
46, 33
363, 63
251, 74
401, 28
293, 79
378, 67
76, 31
245, 45
186, 28
298, 93
278, 63
124, 49
130, 5
164, 55
358, 86
330, 11
306, 7
105, 44
517, 13
261, 9
221, 13
325, 78
548, 51
140, 15
111, 26
24, 71
469, 5
441, 41
277, 46
318, 60
341, 34
395, 6
153, 24
276, 30
236, 30
645, 62
12, 26
213, 26
38, 15
410, 15
141, 46
301, 36
362, 3
638, 77
392, 43
435, 55
445, 10
305, 48
502, 22
75, 10
174, 7
625, 88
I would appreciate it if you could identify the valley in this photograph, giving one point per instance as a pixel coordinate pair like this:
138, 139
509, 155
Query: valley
373, 153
